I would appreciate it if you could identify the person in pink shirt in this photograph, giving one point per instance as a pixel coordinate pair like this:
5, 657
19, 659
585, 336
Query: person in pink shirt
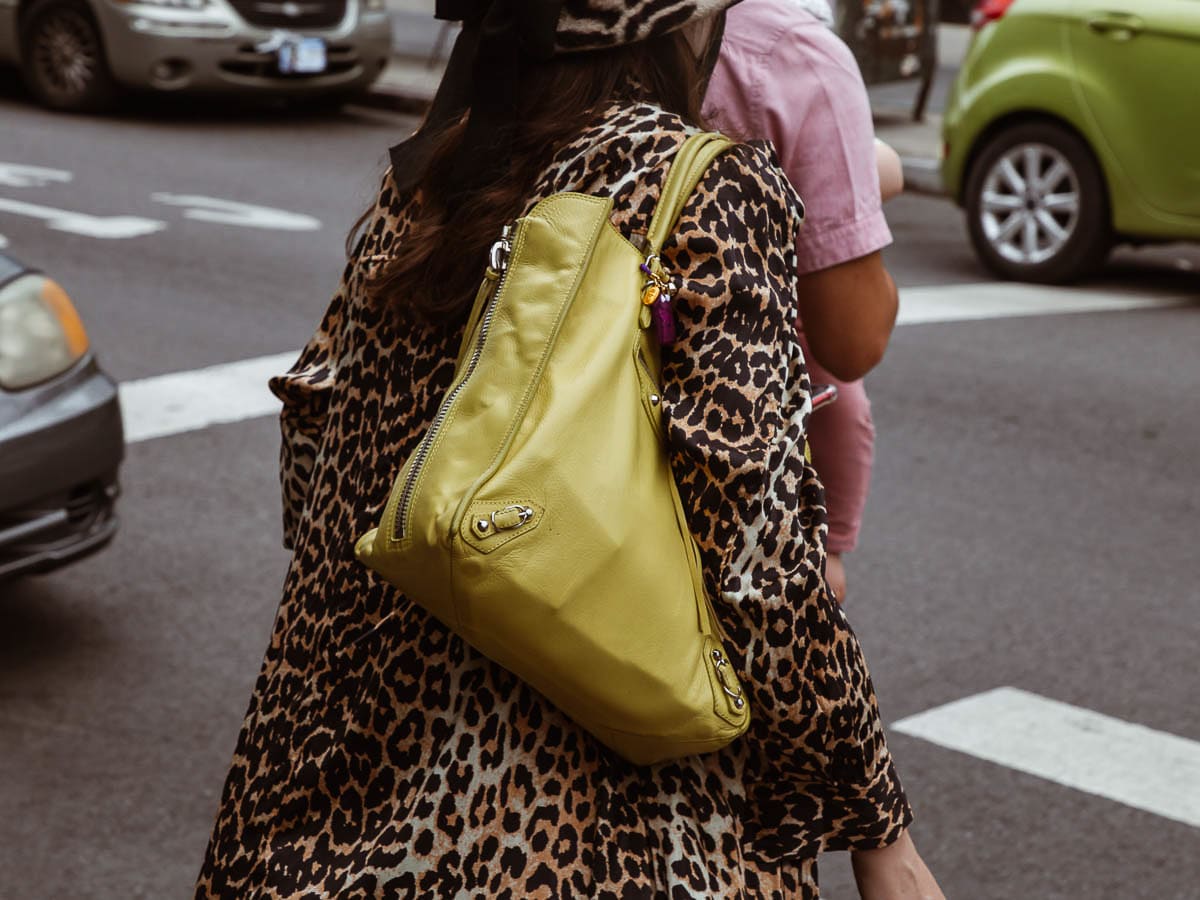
782, 75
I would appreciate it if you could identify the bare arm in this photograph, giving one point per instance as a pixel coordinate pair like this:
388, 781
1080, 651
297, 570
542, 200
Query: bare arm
891, 171
848, 313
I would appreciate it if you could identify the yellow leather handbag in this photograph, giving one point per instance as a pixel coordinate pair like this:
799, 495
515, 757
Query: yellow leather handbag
538, 517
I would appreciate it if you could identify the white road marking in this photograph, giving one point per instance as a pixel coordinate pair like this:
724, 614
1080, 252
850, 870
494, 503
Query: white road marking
1131, 764
104, 227
22, 176
195, 206
967, 302
188, 401
229, 212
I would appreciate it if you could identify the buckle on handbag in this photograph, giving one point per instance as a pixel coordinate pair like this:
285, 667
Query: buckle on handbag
719, 664
505, 519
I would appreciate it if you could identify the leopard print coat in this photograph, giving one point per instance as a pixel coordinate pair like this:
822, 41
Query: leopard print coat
382, 757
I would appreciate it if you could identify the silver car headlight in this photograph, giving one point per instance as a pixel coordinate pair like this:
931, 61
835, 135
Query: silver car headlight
41, 334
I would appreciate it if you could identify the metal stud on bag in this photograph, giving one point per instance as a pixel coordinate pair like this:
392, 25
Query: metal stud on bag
719, 663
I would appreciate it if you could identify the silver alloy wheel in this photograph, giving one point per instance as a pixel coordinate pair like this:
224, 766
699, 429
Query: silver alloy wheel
1029, 208
66, 54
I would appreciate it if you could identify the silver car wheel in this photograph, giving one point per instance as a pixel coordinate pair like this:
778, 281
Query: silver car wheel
66, 54
1029, 207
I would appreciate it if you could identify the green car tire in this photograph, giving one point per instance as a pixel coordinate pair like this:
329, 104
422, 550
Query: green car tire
1037, 207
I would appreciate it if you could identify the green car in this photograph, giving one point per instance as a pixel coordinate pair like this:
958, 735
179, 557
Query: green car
1074, 125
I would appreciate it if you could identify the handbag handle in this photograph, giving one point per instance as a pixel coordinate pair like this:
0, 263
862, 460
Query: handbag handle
691, 161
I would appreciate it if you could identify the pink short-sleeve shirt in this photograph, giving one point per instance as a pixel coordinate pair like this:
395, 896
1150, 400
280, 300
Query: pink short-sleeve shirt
783, 76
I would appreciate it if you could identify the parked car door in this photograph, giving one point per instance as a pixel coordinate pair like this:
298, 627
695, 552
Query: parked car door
1139, 68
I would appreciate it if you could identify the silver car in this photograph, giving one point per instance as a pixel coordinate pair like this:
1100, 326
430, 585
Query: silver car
77, 54
61, 440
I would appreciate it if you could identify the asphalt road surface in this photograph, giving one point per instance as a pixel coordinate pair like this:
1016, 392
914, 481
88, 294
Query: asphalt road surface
1025, 587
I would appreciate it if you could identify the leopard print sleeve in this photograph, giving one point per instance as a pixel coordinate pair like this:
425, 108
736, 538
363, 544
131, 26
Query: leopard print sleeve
305, 390
817, 771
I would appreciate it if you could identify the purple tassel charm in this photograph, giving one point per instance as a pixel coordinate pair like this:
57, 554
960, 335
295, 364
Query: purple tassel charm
664, 319
656, 295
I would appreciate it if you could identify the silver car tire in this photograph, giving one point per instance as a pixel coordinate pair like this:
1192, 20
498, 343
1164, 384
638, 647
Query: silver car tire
63, 59
1037, 205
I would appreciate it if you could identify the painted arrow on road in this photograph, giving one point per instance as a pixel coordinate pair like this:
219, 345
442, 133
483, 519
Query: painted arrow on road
230, 212
19, 175
103, 227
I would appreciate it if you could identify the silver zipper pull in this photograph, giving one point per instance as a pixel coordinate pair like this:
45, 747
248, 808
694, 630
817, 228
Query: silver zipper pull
498, 255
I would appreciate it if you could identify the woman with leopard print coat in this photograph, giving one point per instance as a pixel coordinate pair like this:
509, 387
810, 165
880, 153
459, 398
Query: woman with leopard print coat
383, 757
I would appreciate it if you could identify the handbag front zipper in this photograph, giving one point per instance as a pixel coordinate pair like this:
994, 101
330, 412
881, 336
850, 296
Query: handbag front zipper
498, 262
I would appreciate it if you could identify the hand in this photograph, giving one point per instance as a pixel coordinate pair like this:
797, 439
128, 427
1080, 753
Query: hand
835, 576
895, 872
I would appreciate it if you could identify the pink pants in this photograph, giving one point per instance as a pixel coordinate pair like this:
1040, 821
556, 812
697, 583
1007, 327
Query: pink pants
842, 437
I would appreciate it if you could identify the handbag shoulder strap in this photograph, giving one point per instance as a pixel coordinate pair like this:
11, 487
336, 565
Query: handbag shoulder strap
691, 161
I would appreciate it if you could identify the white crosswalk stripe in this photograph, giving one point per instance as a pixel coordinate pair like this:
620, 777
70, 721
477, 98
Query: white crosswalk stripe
994, 300
186, 401
1071, 746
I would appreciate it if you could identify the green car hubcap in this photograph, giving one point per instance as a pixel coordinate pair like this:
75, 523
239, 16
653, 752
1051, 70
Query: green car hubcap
1030, 204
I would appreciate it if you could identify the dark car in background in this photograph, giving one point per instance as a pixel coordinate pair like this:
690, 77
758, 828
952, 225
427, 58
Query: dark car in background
77, 54
61, 440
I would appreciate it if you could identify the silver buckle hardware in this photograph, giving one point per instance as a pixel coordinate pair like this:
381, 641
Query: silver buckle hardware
719, 664
511, 517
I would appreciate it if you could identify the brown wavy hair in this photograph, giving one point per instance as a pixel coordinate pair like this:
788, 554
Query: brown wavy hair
437, 267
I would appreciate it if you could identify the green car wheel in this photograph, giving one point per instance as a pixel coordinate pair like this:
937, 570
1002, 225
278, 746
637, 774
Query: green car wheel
1037, 209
